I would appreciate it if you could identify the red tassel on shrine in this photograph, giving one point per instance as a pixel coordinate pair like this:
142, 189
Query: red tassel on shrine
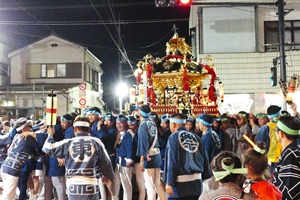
186, 85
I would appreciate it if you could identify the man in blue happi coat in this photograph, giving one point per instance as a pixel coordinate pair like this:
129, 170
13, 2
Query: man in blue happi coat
209, 137
85, 158
186, 162
97, 128
150, 154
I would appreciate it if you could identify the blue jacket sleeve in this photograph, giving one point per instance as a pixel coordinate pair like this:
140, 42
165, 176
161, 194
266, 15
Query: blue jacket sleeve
128, 146
41, 138
208, 144
104, 162
101, 134
13, 133
5, 139
172, 161
263, 136
143, 143
56, 149
69, 132
207, 171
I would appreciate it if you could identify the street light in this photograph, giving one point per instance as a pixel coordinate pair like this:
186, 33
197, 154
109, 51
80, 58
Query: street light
122, 91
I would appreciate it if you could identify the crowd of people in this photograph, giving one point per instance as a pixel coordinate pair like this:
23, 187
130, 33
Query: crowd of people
96, 156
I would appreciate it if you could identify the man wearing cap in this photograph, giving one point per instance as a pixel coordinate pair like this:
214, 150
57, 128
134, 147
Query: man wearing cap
267, 135
209, 137
286, 175
150, 155
186, 162
85, 158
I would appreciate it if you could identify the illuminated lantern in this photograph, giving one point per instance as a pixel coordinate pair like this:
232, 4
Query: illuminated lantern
291, 89
132, 95
51, 109
141, 93
221, 91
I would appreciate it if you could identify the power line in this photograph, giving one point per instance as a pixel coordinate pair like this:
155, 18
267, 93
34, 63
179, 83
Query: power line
61, 7
34, 17
118, 28
87, 23
81, 44
113, 39
8, 31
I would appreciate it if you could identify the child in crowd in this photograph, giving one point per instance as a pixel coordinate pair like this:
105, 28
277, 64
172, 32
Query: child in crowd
226, 168
256, 161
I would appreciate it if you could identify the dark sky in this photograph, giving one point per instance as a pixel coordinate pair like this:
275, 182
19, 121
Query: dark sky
144, 29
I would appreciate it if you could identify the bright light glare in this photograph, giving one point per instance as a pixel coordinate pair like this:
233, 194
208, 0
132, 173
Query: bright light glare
122, 90
185, 1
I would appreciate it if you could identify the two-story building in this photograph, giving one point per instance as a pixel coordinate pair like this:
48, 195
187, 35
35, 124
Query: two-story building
243, 39
70, 70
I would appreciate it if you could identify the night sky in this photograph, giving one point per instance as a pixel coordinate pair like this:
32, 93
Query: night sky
144, 29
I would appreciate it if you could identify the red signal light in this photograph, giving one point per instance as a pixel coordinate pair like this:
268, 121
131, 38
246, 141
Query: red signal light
185, 2
172, 3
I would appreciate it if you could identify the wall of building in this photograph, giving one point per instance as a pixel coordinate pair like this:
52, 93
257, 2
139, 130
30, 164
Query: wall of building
244, 73
4, 60
45, 53
268, 14
250, 72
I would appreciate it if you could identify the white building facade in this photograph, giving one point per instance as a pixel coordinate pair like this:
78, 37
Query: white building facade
243, 40
70, 70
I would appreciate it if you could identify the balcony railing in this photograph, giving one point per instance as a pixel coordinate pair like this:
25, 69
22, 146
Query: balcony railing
288, 46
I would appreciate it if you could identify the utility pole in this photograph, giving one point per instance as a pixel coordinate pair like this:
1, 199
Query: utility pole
119, 53
120, 62
281, 29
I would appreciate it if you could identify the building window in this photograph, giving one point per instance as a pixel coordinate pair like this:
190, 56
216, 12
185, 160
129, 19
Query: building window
227, 29
292, 35
92, 77
3, 69
95, 81
61, 70
53, 70
34, 71
48, 70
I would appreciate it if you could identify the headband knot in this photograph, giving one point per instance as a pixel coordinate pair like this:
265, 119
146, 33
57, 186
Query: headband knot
228, 170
